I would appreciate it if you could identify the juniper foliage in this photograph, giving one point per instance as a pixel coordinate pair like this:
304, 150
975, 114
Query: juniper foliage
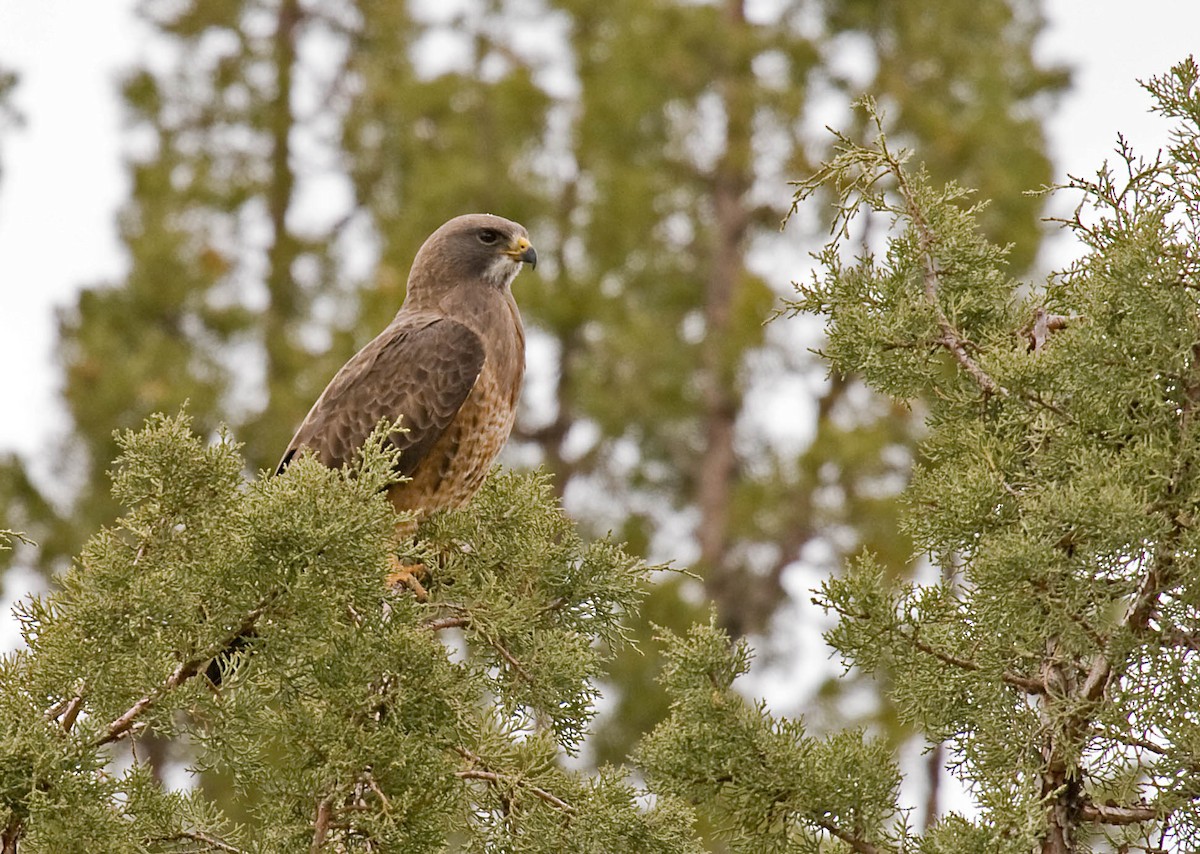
1058, 491
352, 720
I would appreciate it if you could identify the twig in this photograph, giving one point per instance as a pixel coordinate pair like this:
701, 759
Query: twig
497, 779
950, 338
369, 779
12, 833
198, 836
55, 711
517, 667
447, 623
186, 670
1114, 814
1179, 638
321, 823
119, 727
71, 712
463, 622
1137, 615
1131, 741
1025, 683
861, 846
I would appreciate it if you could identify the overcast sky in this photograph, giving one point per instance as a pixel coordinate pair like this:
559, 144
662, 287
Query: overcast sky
63, 179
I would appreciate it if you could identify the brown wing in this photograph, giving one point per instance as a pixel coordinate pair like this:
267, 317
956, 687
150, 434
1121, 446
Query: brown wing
420, 371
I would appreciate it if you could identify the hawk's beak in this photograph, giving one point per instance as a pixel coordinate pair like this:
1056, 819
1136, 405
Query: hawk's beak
522, 250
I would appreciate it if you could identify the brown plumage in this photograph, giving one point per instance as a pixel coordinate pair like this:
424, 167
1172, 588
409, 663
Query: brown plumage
450, 365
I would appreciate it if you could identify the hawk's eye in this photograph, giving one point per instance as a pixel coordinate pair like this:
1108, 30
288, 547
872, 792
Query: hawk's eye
488, 236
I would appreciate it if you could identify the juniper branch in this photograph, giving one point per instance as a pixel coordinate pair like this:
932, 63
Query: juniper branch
121, 725
857, 844
496, 779
950, 338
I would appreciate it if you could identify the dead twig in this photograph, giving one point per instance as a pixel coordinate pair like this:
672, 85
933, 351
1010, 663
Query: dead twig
1117, 814
858, 845
198, 836
321, 823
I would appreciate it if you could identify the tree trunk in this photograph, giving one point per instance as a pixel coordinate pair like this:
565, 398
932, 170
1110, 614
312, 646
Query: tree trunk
281, 316
721, 400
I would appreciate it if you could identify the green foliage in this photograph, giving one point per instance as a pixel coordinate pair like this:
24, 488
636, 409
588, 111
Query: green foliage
961, 85
1057, 489
766, 785
346, 721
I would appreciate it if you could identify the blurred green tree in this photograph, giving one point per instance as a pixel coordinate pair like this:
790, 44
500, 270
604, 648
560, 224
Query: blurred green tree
682, 121
9, 116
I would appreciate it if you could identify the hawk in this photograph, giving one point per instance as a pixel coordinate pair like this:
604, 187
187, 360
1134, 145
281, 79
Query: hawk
449, 366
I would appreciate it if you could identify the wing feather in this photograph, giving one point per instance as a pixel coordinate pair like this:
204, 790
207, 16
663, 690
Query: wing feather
420, 370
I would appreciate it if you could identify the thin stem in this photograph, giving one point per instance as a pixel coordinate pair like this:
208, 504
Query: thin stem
186, 670
496, 779
857, 844
1114, 814
321, 823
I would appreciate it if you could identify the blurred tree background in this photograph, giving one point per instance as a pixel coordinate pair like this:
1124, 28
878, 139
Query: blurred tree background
8, 114
288, 157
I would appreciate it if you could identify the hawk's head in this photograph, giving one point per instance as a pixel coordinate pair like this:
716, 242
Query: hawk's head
473, 248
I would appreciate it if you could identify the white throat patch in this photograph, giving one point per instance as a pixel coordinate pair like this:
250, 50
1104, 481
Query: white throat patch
502, 271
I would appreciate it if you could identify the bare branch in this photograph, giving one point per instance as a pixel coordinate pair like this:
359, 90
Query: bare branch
119, 727
186, 670
321, 823
861, 846
497, 779
517, 667
12, 833
198, 836
71, 712
447, 623
1116, 814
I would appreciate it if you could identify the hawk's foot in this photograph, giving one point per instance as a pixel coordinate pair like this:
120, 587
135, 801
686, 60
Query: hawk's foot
407, 575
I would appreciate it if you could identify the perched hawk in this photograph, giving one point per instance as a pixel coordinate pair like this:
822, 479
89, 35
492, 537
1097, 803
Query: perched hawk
450, 365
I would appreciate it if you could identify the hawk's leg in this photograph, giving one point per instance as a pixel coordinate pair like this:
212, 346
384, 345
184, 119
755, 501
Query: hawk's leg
407, 575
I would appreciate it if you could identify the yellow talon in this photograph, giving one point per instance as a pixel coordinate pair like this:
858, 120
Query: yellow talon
406, 575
